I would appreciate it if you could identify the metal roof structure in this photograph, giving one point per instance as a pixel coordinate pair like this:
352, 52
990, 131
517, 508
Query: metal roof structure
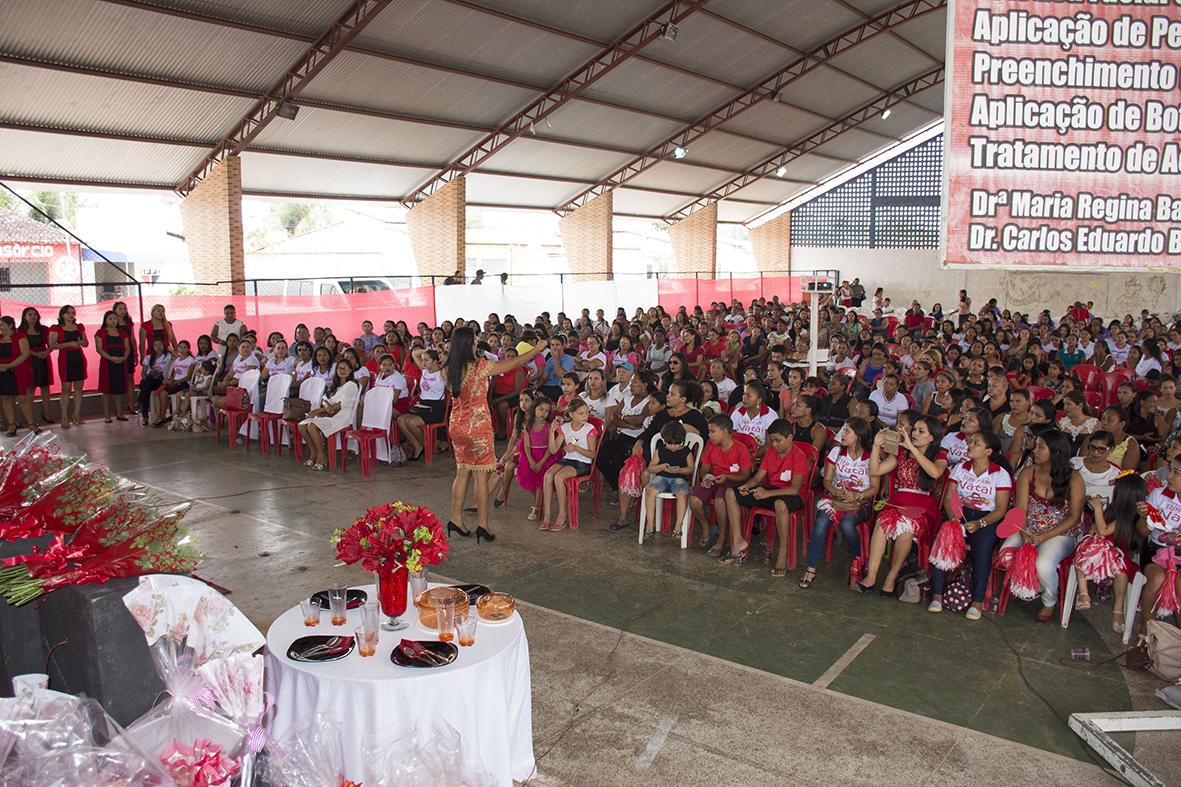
671, 104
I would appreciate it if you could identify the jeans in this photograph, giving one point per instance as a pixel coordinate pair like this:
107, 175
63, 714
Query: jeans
849, 524
981, 544
1050, 553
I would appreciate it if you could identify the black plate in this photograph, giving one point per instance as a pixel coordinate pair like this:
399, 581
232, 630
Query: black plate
304, 644
445, 649
474, 592
356, 598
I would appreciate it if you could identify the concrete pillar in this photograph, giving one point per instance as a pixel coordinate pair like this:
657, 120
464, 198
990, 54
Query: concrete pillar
771, 244
588, 239
212, 220
438, 227
695, 242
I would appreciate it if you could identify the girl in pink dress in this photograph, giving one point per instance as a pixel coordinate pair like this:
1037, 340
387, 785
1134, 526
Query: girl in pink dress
533, 454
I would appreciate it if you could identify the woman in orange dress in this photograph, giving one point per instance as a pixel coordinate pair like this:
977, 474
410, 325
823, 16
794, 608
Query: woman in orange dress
470, 427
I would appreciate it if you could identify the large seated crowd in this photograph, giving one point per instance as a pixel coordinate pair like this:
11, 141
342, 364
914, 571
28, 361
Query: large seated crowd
1074, 419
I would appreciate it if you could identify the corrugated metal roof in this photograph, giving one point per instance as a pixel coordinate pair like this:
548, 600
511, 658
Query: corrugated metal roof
146, 45
641, 83
261, 172
723, 51
530, 156
365, 81
774, 189
801, 23
718, 147
680, 176
829, 93
500, 190
646, 202
772, 120
29, 154
579, 120
853, 144
309, 17
604, 20
328, 131
469, 39
34, 96
728, 210
119, 38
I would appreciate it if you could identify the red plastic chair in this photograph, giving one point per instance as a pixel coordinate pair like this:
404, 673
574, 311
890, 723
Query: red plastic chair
572, 484
1089, 375
1111, 382
1040, 392
430, 432
1094, 401
995, 581
234, 412
806, 497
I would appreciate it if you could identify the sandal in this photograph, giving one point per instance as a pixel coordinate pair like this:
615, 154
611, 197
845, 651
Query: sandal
37, 429
808, 579
106, 420
1117, 622
1082, 603
12, 431
120, 418
533, 514
676, 535
715, 551
555, 527
738, 558
309, 463
318, 468
1044, 615
544, 526
779, 572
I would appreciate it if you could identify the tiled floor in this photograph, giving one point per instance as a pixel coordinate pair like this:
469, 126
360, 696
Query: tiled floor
710, 679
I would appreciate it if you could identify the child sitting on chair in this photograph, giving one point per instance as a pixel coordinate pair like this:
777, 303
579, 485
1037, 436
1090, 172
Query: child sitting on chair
669, 469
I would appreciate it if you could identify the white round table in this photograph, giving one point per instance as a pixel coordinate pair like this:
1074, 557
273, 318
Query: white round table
484, 694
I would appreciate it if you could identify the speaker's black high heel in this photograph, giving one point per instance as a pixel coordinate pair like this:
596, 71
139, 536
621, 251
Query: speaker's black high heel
481, 533
454, 528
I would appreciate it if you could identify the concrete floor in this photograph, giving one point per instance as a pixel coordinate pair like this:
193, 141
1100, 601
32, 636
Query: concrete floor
652, 665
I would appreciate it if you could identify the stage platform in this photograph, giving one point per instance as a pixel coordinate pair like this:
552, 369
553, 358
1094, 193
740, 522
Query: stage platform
655, 665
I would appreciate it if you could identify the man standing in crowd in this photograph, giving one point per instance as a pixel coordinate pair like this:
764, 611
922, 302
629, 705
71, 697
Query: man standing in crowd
229, 324
479, 277
368, 338
455, 278
857, 292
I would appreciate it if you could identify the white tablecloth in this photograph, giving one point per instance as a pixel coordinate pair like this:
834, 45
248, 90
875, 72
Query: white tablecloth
484, 694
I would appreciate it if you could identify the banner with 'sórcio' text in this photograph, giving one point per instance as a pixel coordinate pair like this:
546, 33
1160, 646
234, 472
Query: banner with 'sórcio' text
1063, 138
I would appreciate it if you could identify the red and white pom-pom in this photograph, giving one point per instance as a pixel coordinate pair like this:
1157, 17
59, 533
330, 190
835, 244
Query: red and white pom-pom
950, 547
1098, 558
1166, 602
1023, 581
955, 502
895, 521
1152, 482
629, 476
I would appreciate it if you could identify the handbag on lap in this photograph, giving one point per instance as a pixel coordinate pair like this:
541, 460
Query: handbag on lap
295, 409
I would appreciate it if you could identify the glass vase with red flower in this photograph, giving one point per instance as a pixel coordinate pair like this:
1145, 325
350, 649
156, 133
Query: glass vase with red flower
391, 596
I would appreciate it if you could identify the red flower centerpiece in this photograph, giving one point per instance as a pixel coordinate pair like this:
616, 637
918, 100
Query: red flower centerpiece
392, 540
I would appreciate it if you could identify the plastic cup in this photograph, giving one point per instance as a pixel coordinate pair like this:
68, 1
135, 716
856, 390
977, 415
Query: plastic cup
445, 620
466, 626
310, 608
26, 685
370, 616
338, 604
418, 584
366, 641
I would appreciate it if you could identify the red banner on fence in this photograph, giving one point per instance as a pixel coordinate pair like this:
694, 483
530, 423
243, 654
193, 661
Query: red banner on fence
1062, 134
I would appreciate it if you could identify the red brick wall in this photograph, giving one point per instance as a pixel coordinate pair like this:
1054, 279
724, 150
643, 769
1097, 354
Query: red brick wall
212, 218
587, 238
771, 244
437, 227
695, 242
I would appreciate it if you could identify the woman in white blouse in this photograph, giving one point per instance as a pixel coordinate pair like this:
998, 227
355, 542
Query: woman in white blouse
596, 394
176, 382
336, 413
322, 366
591, 358
243, 362
1151, 359
305, 366
156, 365
279, 361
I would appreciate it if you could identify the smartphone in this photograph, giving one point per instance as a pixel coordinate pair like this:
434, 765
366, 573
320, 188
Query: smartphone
890, 440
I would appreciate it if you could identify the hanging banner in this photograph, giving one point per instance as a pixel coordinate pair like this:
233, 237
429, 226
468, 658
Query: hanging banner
1062, 141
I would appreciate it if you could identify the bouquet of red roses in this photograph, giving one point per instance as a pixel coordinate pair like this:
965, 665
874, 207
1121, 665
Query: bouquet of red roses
392, 535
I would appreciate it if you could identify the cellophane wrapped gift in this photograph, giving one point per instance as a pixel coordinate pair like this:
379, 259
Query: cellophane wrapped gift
50, 739
309, 757
237, 683
426, 757
186, 726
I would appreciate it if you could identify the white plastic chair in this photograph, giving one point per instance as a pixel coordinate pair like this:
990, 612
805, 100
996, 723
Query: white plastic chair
312, 391
378, 411
697, 447
251, 381
1131, 601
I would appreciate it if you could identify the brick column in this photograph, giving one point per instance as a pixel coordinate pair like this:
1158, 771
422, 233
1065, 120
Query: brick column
212, 219
437, 227
695, 242
588, 239
771, 244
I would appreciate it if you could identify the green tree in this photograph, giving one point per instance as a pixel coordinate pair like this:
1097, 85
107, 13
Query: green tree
61, 206
297, 218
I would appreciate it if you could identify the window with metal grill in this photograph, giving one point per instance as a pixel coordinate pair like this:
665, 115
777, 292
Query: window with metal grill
894, 205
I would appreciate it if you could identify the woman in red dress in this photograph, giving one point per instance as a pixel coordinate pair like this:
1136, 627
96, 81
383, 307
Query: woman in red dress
114, 347
470, 428
68, 338
127, 327
16, 375
41, 370
158, 327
